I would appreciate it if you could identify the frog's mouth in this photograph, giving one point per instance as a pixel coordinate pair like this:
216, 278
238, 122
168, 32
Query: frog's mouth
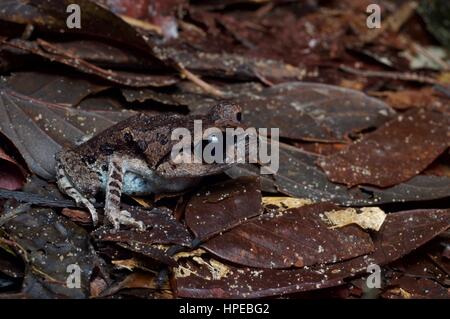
212, 155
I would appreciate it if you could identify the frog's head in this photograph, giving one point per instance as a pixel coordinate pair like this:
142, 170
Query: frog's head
211, 144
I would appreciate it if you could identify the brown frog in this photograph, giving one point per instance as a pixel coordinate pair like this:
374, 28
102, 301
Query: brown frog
133, 157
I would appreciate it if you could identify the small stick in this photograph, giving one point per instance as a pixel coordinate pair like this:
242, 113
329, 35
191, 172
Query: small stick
390, 75
208, 88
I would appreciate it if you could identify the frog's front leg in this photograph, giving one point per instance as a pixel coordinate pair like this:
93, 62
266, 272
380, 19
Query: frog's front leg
114, 184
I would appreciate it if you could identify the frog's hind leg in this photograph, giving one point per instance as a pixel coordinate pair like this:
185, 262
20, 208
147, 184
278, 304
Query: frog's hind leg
66, 186
113, 193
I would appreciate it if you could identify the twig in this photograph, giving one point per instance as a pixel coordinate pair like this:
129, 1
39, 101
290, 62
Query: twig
407, 76
142, 24
208, 88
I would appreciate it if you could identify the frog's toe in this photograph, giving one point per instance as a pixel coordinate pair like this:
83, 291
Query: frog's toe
124, 218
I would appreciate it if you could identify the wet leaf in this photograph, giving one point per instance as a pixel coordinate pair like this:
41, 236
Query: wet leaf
97, 21
163, 231
293, 238
299, 176
162, 228
394, 153
50, 244
313, 111
108, 55
401, 233
419, 188
218, 209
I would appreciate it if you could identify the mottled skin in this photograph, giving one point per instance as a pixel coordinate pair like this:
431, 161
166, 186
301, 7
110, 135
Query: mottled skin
133, 157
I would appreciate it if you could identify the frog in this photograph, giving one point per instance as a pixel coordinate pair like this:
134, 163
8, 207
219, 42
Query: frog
134, 157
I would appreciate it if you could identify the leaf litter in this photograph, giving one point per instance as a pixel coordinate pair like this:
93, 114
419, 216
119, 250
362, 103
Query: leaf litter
318, 222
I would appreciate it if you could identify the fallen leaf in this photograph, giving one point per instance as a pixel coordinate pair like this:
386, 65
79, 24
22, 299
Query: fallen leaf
312, 111
401, 233
51, 52
162, 228
52, 87
227, 219
299, 176
394, 153
50, 246
218, 209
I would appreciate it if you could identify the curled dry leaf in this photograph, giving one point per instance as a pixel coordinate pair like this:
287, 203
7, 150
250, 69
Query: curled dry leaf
401, 233
394, 153
139, 280
366, 218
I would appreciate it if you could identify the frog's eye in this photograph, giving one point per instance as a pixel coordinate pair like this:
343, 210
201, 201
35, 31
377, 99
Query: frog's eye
239, 116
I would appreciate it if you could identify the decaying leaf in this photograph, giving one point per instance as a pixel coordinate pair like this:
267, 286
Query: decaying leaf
294, 238
50, 244
216, 210
163, 231
50, 52
394, 153
366, 218
401, 233
312, 111
227, 219
299, 176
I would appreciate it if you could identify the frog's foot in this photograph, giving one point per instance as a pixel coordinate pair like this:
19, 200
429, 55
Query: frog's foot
66, 186
117, 218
